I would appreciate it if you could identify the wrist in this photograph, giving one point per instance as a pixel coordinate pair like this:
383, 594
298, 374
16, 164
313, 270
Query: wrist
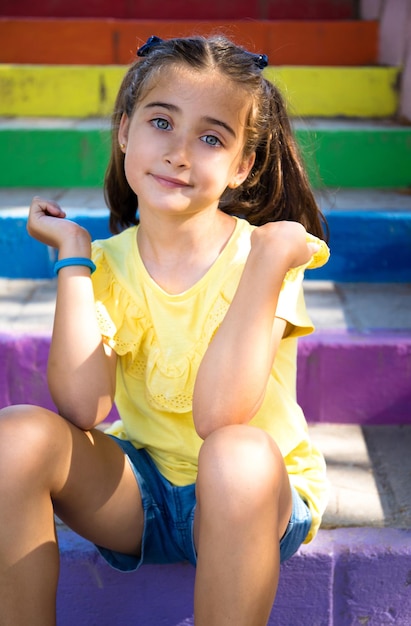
78, 245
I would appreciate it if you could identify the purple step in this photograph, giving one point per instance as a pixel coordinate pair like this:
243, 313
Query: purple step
345, 577
354, 378
343, 377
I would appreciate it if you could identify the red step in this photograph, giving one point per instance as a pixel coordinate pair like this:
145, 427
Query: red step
182, 9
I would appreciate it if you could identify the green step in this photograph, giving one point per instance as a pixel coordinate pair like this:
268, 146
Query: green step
357, 154
72, 153
90, 91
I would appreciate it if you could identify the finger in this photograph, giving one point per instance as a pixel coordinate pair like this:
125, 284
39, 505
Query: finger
313, 248
49, 207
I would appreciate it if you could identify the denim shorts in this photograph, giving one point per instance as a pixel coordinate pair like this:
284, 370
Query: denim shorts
168, 534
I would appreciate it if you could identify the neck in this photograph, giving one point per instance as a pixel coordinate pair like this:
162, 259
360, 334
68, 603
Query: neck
162, 237
178, 254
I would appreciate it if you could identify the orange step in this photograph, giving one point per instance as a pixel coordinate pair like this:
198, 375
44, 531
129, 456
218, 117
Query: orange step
108, 41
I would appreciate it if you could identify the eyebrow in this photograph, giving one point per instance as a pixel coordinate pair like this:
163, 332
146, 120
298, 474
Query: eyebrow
209, 120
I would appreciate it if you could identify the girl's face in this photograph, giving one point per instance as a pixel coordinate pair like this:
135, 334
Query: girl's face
184, 142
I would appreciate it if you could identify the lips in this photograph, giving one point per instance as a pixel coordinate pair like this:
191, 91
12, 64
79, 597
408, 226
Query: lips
170, 183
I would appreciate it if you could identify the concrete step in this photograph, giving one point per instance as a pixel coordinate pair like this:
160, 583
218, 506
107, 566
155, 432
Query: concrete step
345, 577
370, 233
286, 42
65, 153
344, 200
89, 91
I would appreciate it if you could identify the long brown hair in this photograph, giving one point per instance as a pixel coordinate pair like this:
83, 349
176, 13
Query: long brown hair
277, 187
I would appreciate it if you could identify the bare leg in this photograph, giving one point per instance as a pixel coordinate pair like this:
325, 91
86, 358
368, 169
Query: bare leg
244, 504
46, 461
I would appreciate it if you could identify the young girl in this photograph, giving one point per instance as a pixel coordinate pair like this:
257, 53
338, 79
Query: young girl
199, 305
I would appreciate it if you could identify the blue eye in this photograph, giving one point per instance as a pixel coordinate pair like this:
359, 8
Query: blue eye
211, 140
161, 123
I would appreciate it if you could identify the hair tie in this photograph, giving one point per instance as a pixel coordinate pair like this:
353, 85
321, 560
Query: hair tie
151, 43
261, 60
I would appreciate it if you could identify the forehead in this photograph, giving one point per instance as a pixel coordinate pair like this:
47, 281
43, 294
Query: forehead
208, 91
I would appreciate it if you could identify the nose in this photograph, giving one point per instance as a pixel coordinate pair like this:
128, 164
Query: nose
177, 152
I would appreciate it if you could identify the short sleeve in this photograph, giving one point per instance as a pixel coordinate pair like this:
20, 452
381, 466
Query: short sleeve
291, 304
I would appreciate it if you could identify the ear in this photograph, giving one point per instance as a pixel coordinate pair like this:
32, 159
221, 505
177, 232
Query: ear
122, 134
243, 171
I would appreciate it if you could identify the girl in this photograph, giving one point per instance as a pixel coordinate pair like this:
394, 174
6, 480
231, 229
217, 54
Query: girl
198, 314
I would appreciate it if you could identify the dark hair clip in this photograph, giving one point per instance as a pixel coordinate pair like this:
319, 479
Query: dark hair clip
148, 46
261, 60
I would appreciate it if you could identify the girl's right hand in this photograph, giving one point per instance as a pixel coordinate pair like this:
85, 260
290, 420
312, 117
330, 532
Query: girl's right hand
47, 223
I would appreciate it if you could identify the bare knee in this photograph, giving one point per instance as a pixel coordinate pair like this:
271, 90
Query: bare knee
241, 467
25, 423
28, 440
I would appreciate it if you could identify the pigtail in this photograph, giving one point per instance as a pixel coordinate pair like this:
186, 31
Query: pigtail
291, 193
278, 187
118, 194
119, 197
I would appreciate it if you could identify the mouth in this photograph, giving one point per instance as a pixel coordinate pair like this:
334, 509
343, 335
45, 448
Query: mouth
170, 183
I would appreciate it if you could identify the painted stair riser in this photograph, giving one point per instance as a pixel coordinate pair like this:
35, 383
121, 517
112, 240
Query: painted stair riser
343, 377
365, 247
51, 41
336, 156
345, 577
181, 9
90, 91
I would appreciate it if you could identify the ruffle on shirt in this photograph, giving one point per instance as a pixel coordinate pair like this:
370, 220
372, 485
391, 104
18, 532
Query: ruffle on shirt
178, 375
318, 259
322, 255
120, 320
129, 331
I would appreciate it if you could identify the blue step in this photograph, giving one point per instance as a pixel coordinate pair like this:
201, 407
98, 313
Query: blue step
366, 246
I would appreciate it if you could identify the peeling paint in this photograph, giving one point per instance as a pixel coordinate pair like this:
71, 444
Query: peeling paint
102, 89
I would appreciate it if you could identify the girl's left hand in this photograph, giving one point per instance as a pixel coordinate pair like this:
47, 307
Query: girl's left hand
284, 242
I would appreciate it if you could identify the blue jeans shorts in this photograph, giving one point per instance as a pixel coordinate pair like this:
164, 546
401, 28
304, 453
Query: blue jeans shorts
169, 518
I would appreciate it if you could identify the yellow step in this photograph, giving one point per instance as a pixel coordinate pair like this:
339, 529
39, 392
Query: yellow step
89, 91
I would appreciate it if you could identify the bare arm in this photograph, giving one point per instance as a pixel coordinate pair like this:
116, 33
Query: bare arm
232, 378
81, 372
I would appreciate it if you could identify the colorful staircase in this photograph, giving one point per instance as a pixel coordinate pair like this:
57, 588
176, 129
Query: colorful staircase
345, 71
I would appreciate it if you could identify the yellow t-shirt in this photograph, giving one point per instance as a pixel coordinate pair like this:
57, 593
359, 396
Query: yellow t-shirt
160, 340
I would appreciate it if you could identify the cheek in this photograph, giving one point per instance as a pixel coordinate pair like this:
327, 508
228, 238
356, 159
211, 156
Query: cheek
131, 168
134, 153
221, 164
